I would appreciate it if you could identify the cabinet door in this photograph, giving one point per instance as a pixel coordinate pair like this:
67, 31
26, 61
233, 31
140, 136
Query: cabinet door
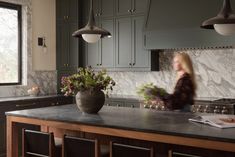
123, 42
73, 10
107, 8
61, 10
140, 56
62, 46
107, 45
92, 53
2, 137
73, 58
139, 6
123, 7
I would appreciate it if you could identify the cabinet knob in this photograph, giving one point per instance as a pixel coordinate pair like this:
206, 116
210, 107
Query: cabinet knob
130, 64
129, 10
133, 64
133, 10
64, 65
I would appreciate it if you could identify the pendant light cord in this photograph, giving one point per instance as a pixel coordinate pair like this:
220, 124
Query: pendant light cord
91, 21
226, 9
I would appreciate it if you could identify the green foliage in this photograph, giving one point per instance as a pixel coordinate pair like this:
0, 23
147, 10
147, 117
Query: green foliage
151, 92
86, 79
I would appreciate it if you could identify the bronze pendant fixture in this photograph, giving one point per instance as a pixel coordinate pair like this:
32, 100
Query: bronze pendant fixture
224, 22
91, 33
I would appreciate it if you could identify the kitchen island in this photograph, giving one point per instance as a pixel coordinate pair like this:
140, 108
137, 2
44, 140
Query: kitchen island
172, 128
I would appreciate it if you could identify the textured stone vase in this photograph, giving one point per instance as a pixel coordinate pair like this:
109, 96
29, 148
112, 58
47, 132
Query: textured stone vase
90, 101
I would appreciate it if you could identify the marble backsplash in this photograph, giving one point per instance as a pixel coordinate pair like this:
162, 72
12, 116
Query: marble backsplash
215, 71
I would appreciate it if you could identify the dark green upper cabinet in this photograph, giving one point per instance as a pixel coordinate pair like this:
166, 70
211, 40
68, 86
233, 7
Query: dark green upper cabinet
102, 8
62, 39
67, 47
140, 56
123, 7
124, 50
130, 7
176, 25
106, 8
123, 42
92, 55
61, 10
139, 6
129, 43
73, 11
107, 45
100, 55
73, 48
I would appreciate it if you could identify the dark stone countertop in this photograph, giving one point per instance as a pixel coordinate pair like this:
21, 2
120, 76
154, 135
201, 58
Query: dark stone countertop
143, 120
22, 98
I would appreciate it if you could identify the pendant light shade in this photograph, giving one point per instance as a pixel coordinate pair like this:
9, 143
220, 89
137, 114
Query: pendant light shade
224, 22
91, 33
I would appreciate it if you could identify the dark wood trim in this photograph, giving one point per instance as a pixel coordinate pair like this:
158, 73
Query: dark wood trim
152, 137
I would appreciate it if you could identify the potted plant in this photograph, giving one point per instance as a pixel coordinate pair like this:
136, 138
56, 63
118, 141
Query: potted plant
88, 87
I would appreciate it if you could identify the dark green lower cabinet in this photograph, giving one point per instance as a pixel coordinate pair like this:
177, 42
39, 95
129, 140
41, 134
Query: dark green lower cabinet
2, 137
25, 104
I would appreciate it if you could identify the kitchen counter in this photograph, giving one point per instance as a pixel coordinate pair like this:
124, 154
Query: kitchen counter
131, 123
170, 123
19, 98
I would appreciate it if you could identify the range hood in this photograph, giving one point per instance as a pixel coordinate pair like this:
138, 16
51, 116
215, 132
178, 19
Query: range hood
176, 25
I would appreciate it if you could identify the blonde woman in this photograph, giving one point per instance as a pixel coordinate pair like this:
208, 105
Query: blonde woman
185, 89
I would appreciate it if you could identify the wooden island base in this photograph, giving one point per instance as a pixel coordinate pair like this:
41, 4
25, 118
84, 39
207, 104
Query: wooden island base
201, 147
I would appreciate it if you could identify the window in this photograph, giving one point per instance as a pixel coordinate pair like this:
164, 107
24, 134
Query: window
10, 44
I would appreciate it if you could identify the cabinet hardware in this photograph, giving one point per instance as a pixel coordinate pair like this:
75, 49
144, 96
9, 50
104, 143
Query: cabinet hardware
133, 64
64, 65
133, 10
100, 64
67, 17
53, 104
57, 103
25, 105
130, 64
100, 14
129, 10
97, 64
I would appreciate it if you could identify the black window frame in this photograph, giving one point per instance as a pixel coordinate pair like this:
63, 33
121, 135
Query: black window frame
18, 8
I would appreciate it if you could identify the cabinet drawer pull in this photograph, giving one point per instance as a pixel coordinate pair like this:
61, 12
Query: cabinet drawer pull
25, 105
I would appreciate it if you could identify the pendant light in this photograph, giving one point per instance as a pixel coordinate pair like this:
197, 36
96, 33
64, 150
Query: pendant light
91, 33
224, 22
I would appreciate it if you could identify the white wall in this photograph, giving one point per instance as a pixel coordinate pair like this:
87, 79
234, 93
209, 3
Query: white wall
44, 25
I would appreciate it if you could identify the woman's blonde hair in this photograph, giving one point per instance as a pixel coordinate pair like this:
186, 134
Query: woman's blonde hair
187, 65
